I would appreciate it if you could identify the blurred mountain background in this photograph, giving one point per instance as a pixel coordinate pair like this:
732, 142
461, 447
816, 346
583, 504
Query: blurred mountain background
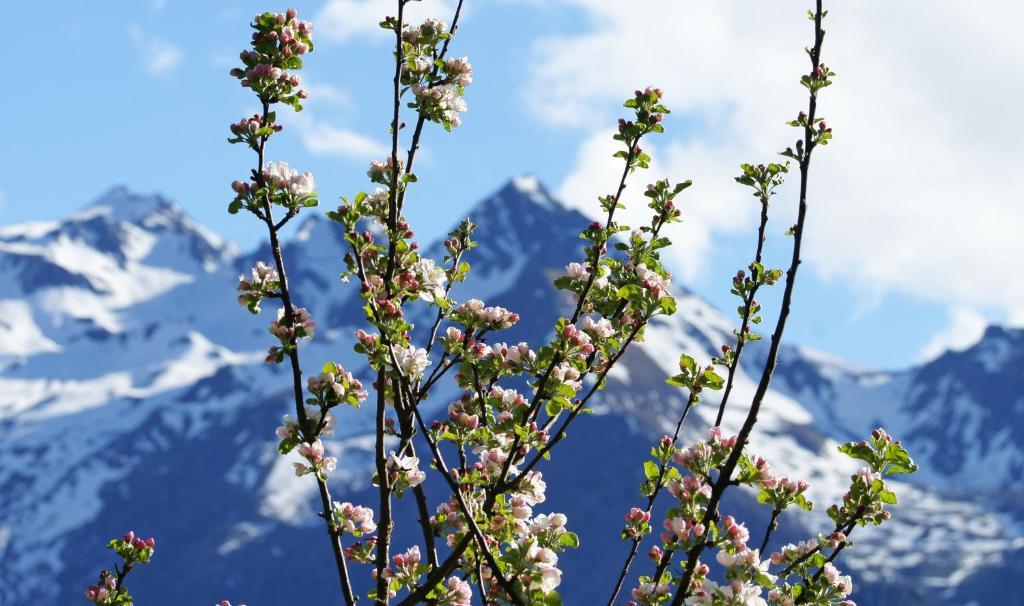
133, 396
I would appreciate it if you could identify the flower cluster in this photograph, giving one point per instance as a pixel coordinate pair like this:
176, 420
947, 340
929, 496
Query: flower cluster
263, 282
289, 331
708, 455
103, 591
280, 176
403, 472
437, 83
637, 523
380, 171
318, 422
580, 274
442, 103
405, 570
334, 386
412, 361
650, 593
456, 592
278, 43
656, 284
428, 280
474, 313
109, 590
353, 519
278, 183
865, 502
649, 114
251, 130
316, 462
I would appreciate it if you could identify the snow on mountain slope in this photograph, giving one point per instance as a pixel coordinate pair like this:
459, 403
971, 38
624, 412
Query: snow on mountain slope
76, 274
145, 403
960, 412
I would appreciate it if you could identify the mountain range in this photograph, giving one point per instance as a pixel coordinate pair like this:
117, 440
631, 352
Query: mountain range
133, 395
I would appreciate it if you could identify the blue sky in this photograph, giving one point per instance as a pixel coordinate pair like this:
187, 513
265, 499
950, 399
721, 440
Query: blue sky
917, 201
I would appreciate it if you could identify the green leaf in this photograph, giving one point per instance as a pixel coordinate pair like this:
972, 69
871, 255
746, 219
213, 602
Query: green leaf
651, 470
711, 380
802, 502
569, 539
678, 381
687, 364
553, 406
630, 292
899, 459
287, 445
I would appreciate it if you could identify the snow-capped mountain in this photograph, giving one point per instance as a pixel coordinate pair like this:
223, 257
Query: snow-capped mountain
133, 394
960, 413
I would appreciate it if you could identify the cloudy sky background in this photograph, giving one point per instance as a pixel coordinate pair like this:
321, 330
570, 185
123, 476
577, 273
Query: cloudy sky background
914, 236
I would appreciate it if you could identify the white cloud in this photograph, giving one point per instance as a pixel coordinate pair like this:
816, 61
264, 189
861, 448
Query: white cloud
341, 20
323, 138
920, 192
327, 94
965, 328
158, 55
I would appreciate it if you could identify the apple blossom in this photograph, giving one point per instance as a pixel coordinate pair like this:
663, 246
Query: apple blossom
353, 519
263, 282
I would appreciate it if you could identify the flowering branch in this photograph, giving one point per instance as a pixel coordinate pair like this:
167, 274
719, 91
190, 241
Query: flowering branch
763, 179
638, 520
278, 43
818, 79
109, 590
495, 540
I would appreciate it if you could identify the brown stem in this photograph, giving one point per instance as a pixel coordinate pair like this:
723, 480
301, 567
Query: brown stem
492, 562
725, 473
386, 523
422, 119
535, 404
560, 434
748, 303
658, 485
772, 525
293, 358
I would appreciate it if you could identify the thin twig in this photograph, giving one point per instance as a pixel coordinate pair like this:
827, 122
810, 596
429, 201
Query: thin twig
725, 473
267, 217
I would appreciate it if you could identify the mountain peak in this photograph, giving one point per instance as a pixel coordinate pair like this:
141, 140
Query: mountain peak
125, 205
525, 188
1000, 332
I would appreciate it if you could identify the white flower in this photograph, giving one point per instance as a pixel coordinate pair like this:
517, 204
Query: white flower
412, 361
352, 518
408, 465
577, 271
431, 279
458, 593
421, 64
550, 578
282, 176
842, 584
459, 70
600, 330
532, 488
